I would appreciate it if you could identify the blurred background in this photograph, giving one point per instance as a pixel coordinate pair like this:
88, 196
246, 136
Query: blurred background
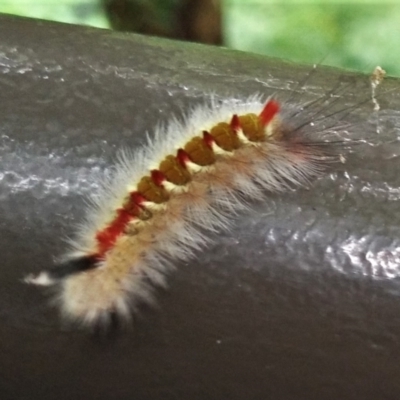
357, 34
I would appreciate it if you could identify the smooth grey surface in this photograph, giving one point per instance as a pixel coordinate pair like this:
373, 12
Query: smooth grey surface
299, 301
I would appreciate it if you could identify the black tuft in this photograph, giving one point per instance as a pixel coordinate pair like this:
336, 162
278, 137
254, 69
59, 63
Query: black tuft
73, 266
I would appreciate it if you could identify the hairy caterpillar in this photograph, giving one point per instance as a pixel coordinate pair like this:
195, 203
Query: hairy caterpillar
189, 179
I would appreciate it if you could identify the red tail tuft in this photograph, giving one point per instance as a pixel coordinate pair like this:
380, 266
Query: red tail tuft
269, 111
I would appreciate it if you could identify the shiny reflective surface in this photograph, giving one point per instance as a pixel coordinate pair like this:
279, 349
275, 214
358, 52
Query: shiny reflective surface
300, 300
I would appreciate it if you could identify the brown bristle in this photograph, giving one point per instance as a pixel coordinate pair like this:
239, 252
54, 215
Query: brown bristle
225, 137
151, 191
174, 171
252, 127
199, 152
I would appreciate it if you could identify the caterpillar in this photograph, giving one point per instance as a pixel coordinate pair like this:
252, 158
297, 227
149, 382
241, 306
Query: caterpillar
192, 177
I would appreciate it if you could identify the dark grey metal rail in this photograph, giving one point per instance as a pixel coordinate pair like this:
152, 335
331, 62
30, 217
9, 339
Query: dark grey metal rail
301, 300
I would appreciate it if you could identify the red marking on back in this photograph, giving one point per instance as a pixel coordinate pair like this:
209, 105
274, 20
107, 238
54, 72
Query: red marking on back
183, 157
157, 177
135, 199
108, 236
208, 139
269, 111
235, 123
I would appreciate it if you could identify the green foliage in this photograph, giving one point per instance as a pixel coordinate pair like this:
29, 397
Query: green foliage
84, 12
357, 35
